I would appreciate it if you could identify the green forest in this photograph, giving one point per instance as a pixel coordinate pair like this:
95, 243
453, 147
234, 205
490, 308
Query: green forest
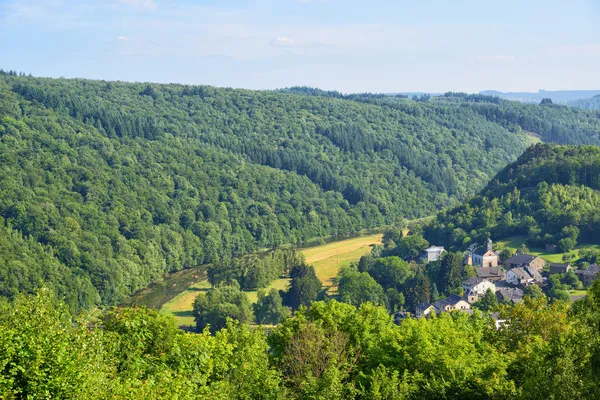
330, 351
551, 195
107, 186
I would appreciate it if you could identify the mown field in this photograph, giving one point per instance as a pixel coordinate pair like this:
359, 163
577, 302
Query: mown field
327, 260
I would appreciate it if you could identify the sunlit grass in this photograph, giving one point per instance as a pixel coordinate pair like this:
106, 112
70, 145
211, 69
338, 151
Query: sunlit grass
327, 260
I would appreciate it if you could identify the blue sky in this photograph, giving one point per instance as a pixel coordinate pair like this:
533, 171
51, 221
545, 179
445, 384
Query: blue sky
347, 45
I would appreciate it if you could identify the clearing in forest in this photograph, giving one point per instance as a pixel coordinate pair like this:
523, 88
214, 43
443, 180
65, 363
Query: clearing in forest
327, 260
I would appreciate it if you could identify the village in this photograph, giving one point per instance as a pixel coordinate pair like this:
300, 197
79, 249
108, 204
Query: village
507, 279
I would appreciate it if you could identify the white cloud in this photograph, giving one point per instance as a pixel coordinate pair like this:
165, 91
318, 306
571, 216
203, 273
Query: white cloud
284, 41
149, 5
496, 58
123, 38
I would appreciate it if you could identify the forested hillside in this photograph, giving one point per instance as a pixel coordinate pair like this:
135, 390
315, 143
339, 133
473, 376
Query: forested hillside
106, 186
588, 104
551, 194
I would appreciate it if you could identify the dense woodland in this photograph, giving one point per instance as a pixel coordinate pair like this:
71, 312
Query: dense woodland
330, 351
551, 195
107, 186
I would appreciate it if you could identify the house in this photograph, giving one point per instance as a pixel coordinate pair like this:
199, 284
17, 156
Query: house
425, 309
525, 260
535, 274
559, 268
492, 274
452, 303
482, 256
519, 276
589, 275
432, 253
509, 295
400, 316
476, 287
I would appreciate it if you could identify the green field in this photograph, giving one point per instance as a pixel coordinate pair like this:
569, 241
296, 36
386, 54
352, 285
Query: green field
327, 260
515, 242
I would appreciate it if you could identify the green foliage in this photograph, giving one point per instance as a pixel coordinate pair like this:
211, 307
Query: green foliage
219, 304
489, 301
409, 247
269, 308
451, 271
328, 351
533, 291
255, 271
557, 289
304, 287
356, 288
121, 183
552, 194
390, 272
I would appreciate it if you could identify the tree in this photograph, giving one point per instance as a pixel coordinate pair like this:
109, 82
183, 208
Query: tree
394, 300
410, 247
417, 290
304, 287
451, 271
566, 244
357, 288
435, 295
269, 309
523, 249
393, 235
545, 101
534, 292
489, 301
570, 278
390, 272
220, 303
558, 290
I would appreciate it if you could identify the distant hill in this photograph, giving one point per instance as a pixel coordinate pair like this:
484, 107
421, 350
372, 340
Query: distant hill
558, 96
551, 194
106, 186
587, 104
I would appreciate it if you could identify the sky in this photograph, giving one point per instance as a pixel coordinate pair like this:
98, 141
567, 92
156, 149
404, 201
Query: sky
346, 45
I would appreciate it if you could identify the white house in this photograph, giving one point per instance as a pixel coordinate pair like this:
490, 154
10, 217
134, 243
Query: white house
478, 286
519, 276
432, 253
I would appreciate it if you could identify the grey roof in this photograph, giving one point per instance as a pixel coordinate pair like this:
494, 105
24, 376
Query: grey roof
473, 281
521, 273
534, 273
423, 306
521, 259
556, 268
453, 299
435, 248
510, 294
592, 269
486, 272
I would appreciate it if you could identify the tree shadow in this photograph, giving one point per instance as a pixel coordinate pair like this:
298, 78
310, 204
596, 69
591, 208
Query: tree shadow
187, 313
